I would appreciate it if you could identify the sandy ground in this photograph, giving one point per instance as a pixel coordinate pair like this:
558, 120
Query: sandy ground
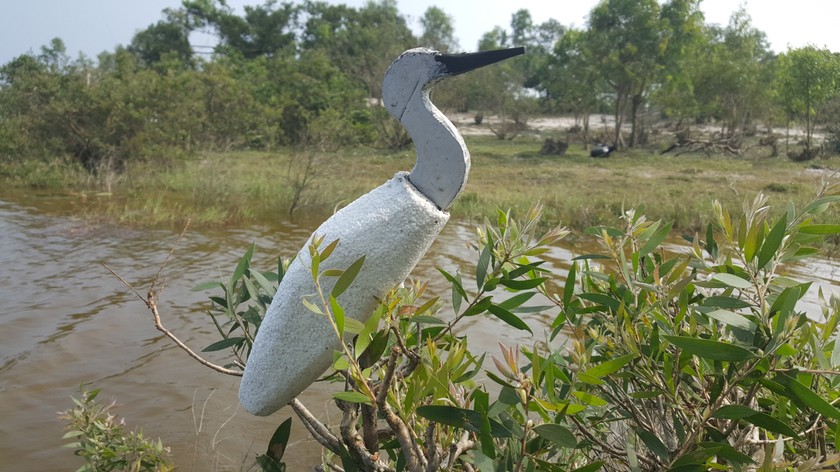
598, 124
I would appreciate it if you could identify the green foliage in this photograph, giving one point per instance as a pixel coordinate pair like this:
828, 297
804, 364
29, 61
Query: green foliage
99, 438
654, 359
807, 79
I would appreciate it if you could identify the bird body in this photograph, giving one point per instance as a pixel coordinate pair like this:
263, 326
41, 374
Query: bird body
392, 226
601, 150
294, 346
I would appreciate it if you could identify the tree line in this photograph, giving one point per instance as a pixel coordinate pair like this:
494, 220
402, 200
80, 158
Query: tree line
309, 74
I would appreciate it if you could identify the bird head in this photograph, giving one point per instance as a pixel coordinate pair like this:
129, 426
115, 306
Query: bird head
416, 70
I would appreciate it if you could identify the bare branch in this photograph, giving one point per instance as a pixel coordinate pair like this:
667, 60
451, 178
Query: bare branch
455, 451
150, 302
317, 429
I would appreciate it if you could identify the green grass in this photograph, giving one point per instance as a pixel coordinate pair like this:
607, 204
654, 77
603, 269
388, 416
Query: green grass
217, 189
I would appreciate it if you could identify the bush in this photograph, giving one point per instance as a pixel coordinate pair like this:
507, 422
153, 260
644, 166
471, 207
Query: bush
99, 438
668, 359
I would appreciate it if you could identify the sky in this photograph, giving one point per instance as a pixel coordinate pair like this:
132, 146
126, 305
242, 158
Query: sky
93, 26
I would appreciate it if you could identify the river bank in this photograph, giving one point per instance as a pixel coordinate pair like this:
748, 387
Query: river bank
225, 189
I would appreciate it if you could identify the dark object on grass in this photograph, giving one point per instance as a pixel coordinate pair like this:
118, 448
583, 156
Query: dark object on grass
601, 150
553, 148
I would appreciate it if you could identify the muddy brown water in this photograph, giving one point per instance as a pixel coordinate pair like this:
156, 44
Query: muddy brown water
66, 322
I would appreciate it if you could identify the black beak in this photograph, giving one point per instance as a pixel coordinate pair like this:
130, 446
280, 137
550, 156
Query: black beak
459, 63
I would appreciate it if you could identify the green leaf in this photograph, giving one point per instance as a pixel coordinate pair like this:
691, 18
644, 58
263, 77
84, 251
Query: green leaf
732, 280
242, 266
608, 367
430, 320
809, 397
279, 440
483, 264
653, 443
266, 286
223, 344
557, 434
347, 277
820, 204
311, 306
731, 303
508, 318
820, 229
772, 242
727, 452
593, 467
353, 326
655, 240
709, 349
325, 253
732, 319
526, 284
338, 314
458, 292
569, 288
208, 286
352, 397
734, 412
602, 299
461, 418
516, 300
763, 420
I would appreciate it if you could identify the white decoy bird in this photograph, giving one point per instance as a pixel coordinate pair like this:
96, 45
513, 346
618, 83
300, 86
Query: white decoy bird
392, 226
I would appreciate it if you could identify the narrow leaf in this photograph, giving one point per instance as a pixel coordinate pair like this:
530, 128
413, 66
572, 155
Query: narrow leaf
732, 280
526, 284
772, 242
352, 397
610, 366
347, 277
732, 319
224, 343
508, 318
557, 434
820, 229
809, 397
709, 349
277, 444
655, 240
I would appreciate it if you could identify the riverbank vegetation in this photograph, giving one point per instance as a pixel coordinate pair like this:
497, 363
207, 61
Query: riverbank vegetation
653, 360
288, 96
224, 188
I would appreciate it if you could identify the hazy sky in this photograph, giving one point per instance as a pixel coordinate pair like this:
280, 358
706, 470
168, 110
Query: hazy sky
92, 26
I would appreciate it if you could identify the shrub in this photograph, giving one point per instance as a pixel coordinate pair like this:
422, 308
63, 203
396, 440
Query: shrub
99, 438
669, 359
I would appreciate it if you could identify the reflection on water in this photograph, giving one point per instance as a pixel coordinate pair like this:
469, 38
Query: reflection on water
65, 322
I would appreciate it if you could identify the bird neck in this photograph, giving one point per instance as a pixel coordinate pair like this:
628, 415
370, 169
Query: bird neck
443, 161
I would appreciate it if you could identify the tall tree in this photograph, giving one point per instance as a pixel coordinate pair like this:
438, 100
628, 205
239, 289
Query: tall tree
808, 78
684, 55
264, 30
734, 83
572, 80
363, 42
169, 37
627, 38
438, 31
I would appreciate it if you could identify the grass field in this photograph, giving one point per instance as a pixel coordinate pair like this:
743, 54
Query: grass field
216, 189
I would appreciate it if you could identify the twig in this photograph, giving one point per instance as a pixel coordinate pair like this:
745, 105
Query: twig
414, 460
433, 456
317, 429
455, 451
150, 301
354, 441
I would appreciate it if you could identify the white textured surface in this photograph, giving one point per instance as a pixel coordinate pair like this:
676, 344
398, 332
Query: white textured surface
393, 227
